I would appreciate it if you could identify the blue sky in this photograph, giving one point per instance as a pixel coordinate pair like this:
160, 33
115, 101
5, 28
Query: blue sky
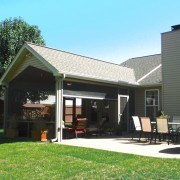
111, 30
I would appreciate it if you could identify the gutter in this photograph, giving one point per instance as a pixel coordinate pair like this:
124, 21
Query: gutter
150, 85
125, 83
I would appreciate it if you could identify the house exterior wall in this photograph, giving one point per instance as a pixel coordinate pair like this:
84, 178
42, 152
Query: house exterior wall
171, 72
140, 99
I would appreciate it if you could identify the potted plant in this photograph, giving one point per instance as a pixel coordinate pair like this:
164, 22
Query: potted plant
161, 114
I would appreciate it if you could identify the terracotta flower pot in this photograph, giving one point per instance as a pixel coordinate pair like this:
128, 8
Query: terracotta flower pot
39, 135
44, 135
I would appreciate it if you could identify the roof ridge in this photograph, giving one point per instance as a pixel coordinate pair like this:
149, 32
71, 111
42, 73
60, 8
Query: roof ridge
144, 56
76, 54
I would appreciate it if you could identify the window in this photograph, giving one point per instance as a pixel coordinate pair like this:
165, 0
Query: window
151, 103
72, 108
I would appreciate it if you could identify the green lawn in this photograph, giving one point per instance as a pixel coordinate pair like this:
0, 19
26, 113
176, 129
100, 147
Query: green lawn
36, 160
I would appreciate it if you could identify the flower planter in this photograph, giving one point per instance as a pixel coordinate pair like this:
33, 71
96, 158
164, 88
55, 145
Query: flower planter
39, 135
43, 135
39, 131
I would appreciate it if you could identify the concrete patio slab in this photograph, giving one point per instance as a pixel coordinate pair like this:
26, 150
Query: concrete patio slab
126, 145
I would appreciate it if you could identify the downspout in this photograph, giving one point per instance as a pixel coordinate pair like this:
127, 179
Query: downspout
59, 97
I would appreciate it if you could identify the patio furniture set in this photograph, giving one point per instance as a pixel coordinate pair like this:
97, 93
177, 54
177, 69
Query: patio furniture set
80, 127
161, 128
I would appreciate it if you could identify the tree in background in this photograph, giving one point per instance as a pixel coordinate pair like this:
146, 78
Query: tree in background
13, 33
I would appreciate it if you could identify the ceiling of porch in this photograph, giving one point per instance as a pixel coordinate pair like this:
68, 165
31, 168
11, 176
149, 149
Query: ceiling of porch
34, 78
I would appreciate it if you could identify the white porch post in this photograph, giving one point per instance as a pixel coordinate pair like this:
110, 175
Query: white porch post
59, 108
5, 108
119, 109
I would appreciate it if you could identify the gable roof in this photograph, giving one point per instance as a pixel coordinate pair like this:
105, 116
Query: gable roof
73, 65
147, 69
143, 71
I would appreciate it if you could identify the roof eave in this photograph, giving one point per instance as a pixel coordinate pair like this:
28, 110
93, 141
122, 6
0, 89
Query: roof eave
150, 85
99, 80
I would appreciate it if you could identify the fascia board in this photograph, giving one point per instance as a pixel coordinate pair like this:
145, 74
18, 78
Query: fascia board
99, 80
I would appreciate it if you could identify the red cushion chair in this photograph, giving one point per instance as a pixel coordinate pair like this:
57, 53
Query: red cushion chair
80, 126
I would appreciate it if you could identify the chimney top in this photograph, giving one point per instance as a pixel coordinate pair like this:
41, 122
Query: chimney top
175, 27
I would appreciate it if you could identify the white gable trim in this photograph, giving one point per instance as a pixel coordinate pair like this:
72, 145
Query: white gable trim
47, 64
11, 65
139, 80
17, 59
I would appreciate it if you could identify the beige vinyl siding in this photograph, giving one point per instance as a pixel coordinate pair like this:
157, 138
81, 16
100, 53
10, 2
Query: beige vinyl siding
140, 99
28, 61
171, 72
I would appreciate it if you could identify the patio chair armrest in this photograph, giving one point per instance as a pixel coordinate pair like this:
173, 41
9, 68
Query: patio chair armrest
171, 129
178, 130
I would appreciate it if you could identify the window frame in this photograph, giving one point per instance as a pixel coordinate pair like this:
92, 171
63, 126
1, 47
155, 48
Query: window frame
151, 105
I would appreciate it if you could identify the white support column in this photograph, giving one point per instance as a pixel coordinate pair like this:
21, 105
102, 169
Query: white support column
118, 110
59, 108
5, 108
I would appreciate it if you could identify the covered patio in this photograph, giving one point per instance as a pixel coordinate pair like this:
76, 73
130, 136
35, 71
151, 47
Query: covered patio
80, 86
72, 99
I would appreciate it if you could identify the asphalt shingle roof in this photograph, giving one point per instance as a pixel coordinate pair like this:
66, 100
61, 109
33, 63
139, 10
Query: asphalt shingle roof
73, 64
136, 71
144, 65
154, 78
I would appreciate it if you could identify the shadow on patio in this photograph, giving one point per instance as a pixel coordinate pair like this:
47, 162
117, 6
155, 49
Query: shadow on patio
175, 150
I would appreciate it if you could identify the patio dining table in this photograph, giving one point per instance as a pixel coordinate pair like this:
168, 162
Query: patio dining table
169, 123
174, 128
176, 124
